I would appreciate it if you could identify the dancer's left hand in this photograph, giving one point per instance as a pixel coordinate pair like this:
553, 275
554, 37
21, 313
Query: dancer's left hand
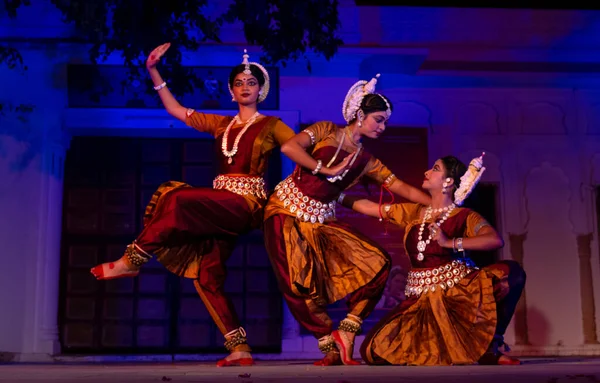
439, 236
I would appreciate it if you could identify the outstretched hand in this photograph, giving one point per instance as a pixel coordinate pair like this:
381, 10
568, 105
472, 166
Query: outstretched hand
156, 54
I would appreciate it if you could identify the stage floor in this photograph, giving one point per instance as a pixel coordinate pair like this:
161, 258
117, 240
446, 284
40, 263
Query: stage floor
546, 370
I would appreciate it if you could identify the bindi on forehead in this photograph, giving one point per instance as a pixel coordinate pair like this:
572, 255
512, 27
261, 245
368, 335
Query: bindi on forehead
246, 79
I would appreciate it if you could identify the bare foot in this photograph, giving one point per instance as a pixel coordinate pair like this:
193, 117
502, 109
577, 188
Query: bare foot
236, 358
498, 359
506, 360
112, 270
332, 358
345, 343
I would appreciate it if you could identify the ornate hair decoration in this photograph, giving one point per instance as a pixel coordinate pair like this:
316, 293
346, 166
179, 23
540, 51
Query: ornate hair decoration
355, 95
388, 111
469, 180
246, 63
265, 88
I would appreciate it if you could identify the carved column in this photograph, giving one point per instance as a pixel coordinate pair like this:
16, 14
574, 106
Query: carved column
588, 307
47, 264
516, 242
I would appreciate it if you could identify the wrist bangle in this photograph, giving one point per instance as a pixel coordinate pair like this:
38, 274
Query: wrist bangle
454, 244
159, 87
459, 245
340, 199
318, 168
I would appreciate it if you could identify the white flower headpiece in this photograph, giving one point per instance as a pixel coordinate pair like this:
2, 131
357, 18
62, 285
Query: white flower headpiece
264, 91
355, 95
469, 180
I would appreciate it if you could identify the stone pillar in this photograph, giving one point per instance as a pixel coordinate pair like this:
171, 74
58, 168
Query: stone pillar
41, 339
588, 307
520, 319
55, 162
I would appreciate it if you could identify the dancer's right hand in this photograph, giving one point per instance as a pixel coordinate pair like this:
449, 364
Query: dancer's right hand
156, 54
339, 168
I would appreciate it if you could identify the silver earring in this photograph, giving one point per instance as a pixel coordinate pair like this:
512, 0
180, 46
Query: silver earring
445, 185
361, 117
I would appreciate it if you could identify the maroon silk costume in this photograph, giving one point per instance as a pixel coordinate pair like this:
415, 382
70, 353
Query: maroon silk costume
193, 231
317, 260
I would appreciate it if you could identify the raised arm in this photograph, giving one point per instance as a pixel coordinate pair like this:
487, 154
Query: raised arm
409, 192
381, 174
399, 213
361, 205
173, 107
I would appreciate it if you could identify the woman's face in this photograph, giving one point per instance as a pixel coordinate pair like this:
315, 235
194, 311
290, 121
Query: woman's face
434, 177
245, 89
373, 124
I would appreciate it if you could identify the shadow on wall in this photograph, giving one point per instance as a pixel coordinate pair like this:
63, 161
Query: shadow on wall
538, 328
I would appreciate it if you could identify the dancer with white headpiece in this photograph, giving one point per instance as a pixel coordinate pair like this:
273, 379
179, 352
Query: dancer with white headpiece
319, 261
192, 231
455, 313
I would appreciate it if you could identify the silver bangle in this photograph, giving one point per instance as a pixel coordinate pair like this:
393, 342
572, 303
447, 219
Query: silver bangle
311, 135
318, 168
159, 87
459, 244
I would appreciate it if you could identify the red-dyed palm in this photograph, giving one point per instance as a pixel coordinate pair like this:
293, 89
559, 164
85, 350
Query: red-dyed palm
155, 56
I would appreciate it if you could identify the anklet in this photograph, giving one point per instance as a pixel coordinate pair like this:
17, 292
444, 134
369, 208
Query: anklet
235, 338
327, 344
349, 325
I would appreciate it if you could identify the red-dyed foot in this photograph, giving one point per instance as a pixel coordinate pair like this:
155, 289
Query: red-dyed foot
236, 358
499, 359
346, 348
113, 270
235, 362
506, 360
330, 359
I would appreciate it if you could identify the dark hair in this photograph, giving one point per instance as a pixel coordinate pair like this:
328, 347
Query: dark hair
372, 103
455, 169
256, 72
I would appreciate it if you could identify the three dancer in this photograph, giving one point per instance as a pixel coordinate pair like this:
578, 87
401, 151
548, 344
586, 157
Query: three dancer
192, 232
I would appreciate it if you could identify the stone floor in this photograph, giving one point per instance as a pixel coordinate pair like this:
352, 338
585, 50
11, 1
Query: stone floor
546, 370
